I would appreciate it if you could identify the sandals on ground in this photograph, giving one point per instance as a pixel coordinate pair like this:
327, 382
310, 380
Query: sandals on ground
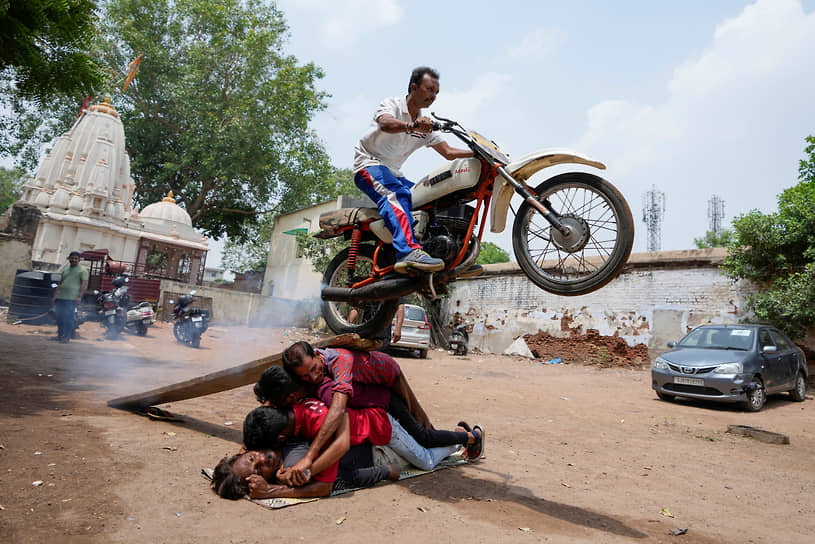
476, 449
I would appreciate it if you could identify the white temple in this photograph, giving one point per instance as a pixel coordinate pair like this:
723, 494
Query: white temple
84, 191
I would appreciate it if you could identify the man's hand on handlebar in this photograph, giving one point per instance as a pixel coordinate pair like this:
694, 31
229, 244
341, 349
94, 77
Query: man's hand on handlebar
424, 124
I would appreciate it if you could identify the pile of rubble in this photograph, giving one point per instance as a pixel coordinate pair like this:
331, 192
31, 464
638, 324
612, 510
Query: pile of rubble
588, 349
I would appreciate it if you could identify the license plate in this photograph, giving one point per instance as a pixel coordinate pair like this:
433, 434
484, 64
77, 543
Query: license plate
110, 312
196, 319
689, 381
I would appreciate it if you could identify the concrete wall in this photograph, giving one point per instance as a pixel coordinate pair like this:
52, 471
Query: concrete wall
14, 255
239, 308
658, 298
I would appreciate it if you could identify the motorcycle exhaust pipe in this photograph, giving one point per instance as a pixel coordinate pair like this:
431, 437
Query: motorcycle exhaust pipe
381, 290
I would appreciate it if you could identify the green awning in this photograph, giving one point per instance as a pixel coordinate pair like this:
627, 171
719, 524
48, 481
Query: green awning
294, 232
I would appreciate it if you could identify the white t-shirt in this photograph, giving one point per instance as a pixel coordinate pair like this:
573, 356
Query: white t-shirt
377, 147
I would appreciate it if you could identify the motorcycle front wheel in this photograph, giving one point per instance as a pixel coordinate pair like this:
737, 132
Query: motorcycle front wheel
597, 246
366, 319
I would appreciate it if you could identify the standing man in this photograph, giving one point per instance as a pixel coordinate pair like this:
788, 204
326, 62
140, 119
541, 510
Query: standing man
68, 294
398, 129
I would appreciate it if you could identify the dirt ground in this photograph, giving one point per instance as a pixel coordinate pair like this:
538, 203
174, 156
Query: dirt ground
574, 453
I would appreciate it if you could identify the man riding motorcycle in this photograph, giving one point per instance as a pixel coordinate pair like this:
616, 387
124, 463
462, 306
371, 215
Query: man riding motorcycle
398, 129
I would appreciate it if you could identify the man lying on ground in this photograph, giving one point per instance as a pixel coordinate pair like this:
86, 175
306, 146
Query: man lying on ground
266, 429
278, 388
344, 367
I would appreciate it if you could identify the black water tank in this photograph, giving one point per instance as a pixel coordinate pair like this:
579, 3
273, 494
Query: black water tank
31, 296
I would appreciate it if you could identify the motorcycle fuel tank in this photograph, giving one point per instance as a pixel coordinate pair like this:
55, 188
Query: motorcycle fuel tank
453, 176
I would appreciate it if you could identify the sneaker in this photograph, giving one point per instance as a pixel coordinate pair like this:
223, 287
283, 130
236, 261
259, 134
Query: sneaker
419, 260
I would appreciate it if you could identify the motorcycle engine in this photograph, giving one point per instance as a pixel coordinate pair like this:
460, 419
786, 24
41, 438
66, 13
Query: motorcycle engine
445, 234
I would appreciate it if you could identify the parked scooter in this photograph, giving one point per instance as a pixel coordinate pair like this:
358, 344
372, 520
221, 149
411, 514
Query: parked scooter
459, 339
190, 322
117, 314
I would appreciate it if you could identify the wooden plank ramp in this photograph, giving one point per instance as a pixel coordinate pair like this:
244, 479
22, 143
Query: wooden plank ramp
230, 378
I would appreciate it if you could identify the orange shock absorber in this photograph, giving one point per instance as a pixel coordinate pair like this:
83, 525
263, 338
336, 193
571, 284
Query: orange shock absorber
353, 251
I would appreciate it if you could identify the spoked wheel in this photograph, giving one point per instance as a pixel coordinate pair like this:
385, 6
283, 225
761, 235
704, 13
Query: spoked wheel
366, 319
596, 245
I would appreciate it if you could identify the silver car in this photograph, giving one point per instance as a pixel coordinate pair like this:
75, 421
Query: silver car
731, 363
415, 331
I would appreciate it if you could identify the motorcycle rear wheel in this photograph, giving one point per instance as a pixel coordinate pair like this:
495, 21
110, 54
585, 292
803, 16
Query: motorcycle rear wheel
372, 317
598, 247
178, 331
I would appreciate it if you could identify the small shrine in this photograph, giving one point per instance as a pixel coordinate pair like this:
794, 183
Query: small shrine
83, 193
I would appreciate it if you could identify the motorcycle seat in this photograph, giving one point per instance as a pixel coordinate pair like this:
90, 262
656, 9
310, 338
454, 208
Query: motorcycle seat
332, 222
138, 305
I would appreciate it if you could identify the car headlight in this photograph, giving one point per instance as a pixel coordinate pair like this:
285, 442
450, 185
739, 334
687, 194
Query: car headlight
729, 368
660, 363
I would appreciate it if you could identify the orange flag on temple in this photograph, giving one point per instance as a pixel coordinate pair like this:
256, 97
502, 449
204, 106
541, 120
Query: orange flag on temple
134, 65
85, 105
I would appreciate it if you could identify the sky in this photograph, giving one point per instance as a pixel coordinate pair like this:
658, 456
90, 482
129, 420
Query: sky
696, 98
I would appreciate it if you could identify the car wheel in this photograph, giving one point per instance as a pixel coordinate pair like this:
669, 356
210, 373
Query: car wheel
799, 392
757, 397
665, 396
422, 354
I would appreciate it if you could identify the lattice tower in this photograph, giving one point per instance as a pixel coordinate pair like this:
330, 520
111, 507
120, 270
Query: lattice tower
715, 213
653, 211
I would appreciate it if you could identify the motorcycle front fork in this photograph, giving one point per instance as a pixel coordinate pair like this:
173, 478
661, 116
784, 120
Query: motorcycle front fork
544, 207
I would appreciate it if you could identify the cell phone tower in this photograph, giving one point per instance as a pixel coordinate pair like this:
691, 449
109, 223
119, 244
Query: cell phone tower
715, 213
653, 211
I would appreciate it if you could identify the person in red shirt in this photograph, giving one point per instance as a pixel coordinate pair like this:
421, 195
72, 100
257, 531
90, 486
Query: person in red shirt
252, 471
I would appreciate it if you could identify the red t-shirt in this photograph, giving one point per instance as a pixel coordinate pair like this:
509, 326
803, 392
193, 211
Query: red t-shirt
364, 424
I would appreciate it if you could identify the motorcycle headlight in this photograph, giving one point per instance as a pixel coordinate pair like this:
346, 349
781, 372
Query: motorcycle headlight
729, 368
660, 363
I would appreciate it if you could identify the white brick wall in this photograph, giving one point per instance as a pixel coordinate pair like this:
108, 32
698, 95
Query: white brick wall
654, 301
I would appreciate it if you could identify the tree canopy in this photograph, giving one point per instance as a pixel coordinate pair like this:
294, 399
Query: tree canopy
492, 253
217, 113
713, 239
10, 182
777, 252
46, 70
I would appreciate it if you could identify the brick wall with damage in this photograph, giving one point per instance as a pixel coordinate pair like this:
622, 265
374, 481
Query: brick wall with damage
658, 298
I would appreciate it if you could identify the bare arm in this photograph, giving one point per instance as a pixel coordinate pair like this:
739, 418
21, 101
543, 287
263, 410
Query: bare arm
400, 318
329, 427
261, 489
82, 288
390, 124
451, 153
332, 454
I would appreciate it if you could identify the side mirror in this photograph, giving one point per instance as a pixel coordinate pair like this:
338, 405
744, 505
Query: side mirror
54, 285
671, 344
192, 292
769, 349
172, 301
96, 291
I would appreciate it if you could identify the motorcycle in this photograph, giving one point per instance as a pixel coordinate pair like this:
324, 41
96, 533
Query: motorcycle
571, 235
116, 313
459, 339
190, 322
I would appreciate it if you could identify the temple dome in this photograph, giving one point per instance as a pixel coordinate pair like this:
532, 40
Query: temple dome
166, 210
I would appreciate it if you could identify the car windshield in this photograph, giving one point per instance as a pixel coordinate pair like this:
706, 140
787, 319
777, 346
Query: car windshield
414, 314
719, 338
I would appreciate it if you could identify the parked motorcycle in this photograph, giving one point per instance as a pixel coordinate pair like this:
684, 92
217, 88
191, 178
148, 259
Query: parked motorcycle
116, 313
571, 235
459, 339
190, 322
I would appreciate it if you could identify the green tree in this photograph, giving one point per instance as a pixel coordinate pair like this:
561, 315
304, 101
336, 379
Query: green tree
218, 113
711, 239
492, 253
10, 182
46, 71
777, 253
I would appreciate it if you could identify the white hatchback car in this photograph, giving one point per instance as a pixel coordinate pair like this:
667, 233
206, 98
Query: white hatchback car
415, 331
